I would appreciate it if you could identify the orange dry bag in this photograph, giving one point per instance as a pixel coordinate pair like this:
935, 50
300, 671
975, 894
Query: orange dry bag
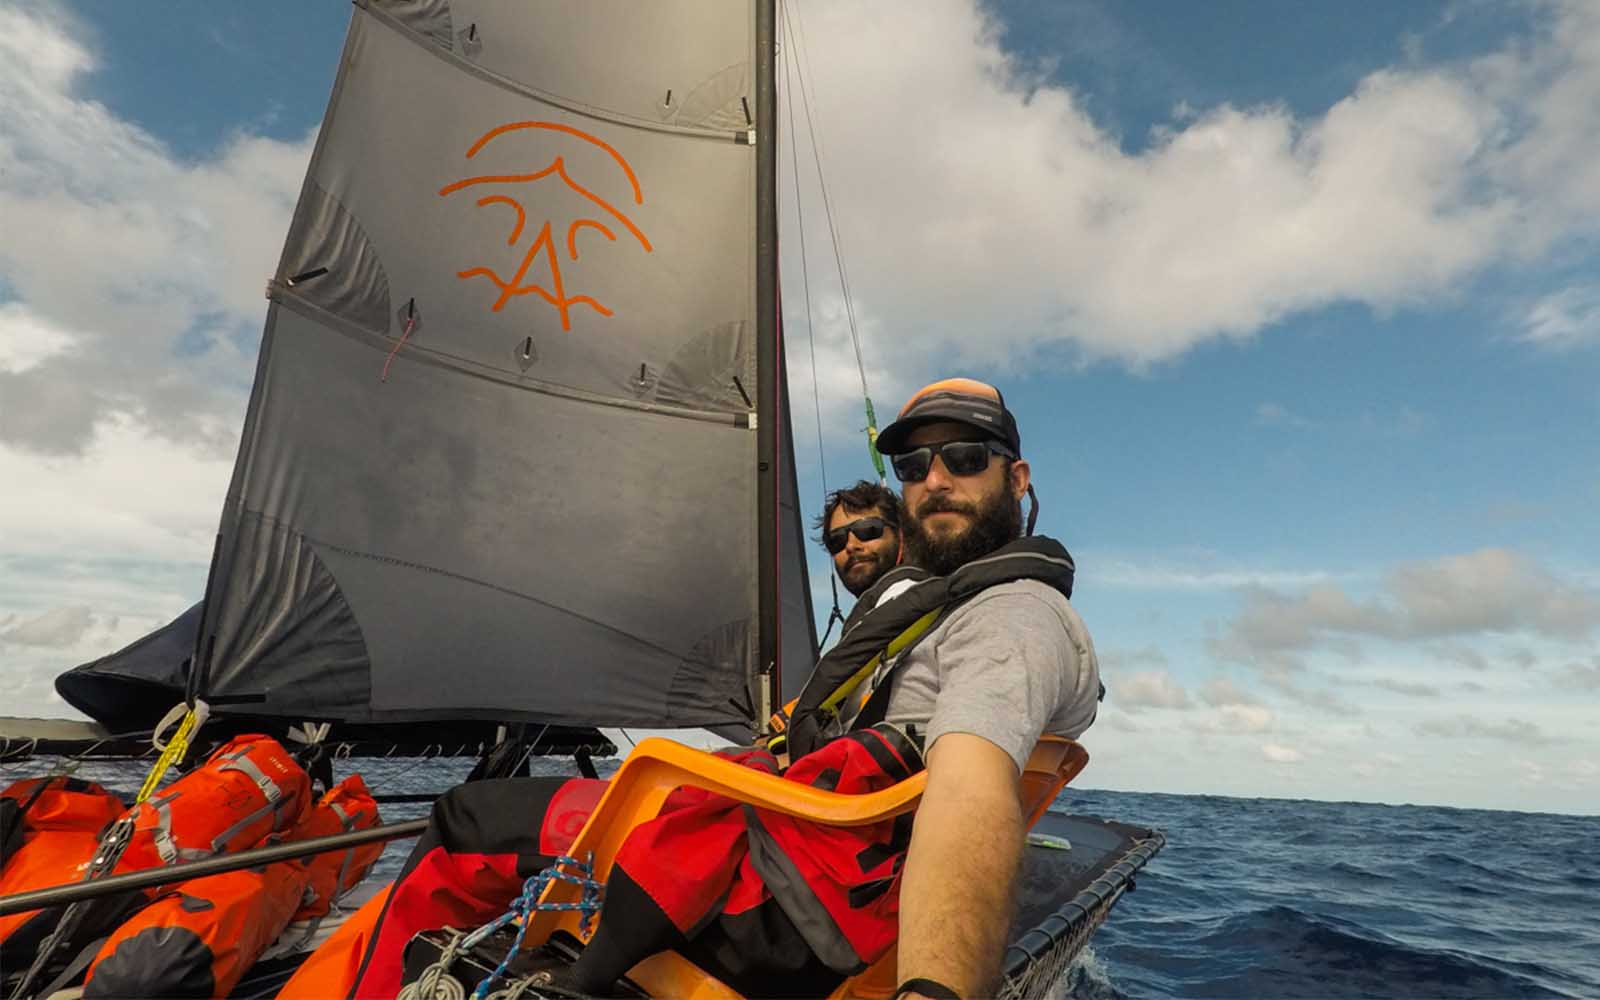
59, 833
249, 789
347, 806
198, 938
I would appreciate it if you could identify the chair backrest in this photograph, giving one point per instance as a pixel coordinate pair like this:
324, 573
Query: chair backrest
656, 767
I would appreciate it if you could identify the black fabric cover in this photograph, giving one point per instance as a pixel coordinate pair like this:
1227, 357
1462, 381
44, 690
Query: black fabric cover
131, 689
157, 962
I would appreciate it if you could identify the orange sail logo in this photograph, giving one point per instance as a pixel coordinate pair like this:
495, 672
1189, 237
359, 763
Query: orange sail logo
544, 245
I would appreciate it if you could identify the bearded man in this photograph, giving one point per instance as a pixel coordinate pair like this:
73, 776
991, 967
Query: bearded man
1010, 664
860, 527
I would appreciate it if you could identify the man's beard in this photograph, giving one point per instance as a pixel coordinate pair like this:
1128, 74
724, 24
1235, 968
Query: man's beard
859, 576
996, 520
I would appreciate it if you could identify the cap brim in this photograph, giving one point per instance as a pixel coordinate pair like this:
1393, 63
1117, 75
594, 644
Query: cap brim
896, 438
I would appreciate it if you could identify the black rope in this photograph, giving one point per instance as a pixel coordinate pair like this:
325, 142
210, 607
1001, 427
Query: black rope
833, 616
805, 279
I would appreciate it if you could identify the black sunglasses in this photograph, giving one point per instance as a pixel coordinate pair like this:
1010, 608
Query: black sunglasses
962, 458
868, 529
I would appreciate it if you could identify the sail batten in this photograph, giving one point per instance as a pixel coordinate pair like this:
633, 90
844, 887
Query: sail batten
423, 355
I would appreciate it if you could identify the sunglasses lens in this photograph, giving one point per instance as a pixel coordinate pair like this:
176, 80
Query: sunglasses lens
965, 458
912, 467
867, 529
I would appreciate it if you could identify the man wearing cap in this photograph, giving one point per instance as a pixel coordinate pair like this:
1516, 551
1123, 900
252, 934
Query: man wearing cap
1009, 665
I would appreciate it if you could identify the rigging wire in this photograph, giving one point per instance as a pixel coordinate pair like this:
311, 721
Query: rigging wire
796, 33
805, 268
835, 615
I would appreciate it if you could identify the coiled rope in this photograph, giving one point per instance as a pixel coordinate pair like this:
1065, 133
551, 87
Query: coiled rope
435, 982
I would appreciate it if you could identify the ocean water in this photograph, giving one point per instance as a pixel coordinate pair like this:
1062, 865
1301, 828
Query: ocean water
1278, 898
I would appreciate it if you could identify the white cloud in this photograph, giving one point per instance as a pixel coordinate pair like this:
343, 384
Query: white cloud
1518, 731
1321, 699
146, 272
1278, 754
1222, 692
1147, 689
1466, 656
1524, 657
1117, 660
1247, 718
1121, 722
1488, 591
1200, 574
132, 284
832, 387
58, 627
1270, 414
129, 496
25, 340
1414, 182
1233, 720
1551, 158
1413, 689
1566, 318
1580, 676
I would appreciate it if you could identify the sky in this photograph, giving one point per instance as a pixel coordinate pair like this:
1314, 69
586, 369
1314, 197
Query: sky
1299, 313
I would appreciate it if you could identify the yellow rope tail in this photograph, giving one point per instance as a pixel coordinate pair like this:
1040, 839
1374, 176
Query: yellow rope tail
171, 754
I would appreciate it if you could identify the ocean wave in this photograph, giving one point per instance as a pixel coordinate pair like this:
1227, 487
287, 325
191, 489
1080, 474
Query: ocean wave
1283, 951
1356, 873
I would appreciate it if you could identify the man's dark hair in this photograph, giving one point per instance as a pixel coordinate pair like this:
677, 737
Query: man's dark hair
864, 495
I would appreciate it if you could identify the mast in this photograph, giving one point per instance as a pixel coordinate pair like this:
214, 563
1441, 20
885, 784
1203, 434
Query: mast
768, 367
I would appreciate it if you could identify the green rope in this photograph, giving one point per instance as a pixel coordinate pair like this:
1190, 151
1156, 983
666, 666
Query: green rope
872, 441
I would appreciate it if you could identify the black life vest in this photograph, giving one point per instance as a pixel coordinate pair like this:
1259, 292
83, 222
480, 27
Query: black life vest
889, 630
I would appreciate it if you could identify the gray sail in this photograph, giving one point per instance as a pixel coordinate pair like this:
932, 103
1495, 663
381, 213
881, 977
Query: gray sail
499, 457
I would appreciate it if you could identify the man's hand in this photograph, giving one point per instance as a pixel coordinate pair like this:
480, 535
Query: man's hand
961, 869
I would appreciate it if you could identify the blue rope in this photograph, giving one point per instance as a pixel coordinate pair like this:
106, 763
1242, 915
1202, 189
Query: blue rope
527, 903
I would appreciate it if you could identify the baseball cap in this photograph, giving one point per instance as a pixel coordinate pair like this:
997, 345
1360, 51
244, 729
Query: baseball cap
963, 400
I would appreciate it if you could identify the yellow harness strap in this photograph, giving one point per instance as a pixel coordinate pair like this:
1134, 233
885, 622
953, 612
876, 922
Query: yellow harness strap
839, 695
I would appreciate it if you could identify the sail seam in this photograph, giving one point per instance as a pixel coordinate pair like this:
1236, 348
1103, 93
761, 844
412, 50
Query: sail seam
545, 97
423, 567
281, 294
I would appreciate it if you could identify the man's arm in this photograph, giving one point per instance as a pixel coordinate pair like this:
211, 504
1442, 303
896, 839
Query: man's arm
957, 890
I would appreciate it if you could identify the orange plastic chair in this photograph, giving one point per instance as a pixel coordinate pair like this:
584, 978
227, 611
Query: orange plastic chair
657, 767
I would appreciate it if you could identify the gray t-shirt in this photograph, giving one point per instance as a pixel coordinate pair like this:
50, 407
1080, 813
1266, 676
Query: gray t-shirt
1011, 664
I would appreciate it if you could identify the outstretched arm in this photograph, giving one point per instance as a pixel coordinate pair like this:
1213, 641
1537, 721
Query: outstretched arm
957, 892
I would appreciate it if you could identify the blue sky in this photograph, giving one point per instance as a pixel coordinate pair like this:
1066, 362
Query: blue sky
1298, 310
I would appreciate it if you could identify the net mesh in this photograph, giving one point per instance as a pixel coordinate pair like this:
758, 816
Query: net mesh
1037, 961
1043, 973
